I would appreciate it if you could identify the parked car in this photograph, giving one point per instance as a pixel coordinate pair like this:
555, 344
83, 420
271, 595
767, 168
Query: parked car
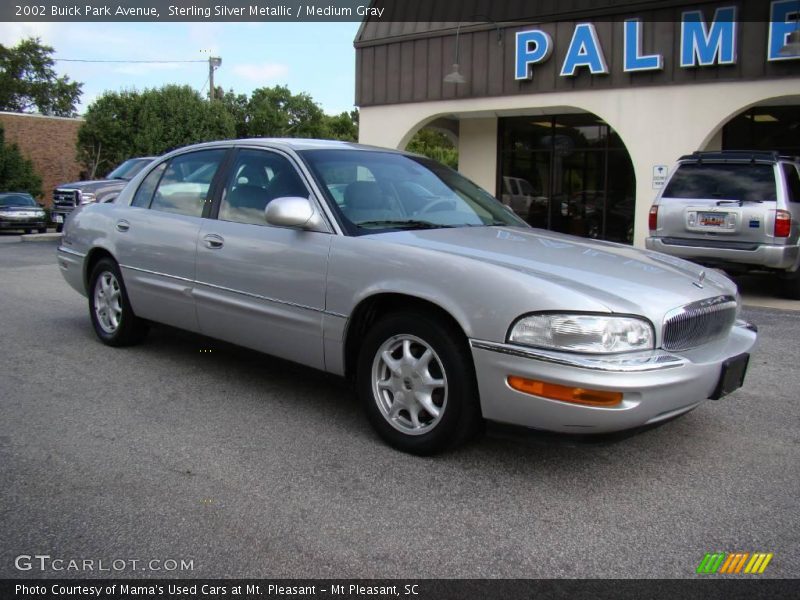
443, 313
18, 210
735, 210
69, 195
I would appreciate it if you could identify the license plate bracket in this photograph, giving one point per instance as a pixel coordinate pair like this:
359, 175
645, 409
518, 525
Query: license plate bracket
732, 376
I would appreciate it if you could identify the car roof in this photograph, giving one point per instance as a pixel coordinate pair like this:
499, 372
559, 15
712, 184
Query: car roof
290, 144
736, 156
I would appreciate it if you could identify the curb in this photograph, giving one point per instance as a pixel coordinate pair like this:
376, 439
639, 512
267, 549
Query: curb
40, 237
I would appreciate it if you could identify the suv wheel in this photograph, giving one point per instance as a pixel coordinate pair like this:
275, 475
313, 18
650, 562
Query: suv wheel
417, 383
59, 227
109, 307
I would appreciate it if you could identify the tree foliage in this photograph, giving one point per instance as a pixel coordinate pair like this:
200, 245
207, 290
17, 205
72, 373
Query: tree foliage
28, 81
277, 112
16, 172
436, 145
343, 126
121, 125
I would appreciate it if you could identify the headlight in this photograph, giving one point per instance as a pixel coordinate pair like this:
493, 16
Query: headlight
596, 334
87, 198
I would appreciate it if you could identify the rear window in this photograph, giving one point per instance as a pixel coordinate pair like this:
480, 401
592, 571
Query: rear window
744, 182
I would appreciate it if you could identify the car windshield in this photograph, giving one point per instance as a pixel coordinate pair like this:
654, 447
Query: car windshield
129, 169
731, 181
382, 191
17, 200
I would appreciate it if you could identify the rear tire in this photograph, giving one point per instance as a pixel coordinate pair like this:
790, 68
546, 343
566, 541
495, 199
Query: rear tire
59, 227
109, 308
28, 231
42, 230
417, 384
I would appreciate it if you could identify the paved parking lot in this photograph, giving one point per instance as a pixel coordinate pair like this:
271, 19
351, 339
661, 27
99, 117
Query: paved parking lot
186, 448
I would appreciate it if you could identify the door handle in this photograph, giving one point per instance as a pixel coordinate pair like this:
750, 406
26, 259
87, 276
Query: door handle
213, 241
123, 225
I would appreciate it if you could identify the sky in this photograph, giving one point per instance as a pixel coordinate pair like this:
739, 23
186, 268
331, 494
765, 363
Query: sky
316, 58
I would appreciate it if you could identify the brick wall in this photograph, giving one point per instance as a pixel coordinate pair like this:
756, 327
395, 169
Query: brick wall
49, 142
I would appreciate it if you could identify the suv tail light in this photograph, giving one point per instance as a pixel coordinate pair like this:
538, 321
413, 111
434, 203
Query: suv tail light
783, 223
652, 219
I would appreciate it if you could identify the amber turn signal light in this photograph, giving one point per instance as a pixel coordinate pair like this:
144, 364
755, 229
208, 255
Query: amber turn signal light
564, 393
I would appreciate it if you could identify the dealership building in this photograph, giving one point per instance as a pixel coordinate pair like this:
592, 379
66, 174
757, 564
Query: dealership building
575, 116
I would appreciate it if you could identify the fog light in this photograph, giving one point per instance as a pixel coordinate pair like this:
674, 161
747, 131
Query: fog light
564, 393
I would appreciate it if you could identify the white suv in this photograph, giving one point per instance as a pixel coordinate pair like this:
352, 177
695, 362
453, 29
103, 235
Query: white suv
738, 210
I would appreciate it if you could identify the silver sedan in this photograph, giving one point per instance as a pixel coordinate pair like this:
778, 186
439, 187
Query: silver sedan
441, 305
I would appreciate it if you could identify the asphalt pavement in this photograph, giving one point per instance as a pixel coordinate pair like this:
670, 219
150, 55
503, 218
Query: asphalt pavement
188, 449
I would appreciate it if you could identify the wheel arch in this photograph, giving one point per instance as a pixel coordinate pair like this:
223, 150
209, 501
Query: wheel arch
372, 308
92, 258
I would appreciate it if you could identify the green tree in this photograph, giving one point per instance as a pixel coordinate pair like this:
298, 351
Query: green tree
120, 125
16, 172
436, 145
28, 81
276, 112
343, 126
236, 105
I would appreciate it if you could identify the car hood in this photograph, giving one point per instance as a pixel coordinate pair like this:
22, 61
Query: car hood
622, 278
94, 186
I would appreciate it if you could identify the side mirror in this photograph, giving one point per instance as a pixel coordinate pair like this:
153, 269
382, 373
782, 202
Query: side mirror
293, 211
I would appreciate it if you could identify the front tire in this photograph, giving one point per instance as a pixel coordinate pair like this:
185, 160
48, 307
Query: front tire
109, 308
416, 381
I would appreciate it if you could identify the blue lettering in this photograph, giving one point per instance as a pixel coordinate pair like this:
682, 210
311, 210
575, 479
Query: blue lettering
533, 47
584, 51
701, 46
632, 43
783, 20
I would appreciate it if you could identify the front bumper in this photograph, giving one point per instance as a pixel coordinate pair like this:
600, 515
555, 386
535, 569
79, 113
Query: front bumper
655, 385
764, 255
24, 223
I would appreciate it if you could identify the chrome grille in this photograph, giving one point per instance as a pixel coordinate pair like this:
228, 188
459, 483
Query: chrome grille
698, 323
65, 198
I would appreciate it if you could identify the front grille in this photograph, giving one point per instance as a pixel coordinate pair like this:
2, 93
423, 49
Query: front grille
65, 198
698, 323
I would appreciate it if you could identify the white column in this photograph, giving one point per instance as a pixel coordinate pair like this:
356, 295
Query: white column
477, 151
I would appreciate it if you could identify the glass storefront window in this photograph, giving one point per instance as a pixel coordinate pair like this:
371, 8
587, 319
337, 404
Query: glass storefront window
568, 173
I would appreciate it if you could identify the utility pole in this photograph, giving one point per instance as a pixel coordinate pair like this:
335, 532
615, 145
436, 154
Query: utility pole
213, 64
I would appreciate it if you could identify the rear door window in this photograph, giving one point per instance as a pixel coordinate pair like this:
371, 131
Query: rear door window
736, 181
792, 182
186, 183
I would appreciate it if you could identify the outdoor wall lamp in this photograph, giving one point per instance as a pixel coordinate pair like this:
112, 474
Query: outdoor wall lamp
455, 75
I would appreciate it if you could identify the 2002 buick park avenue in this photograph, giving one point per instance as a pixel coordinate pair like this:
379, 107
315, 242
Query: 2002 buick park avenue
389, 268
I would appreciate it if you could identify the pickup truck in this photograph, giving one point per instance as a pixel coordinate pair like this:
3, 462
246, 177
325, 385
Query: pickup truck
69, 195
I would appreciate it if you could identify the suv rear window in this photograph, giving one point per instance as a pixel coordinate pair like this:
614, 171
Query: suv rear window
738, 181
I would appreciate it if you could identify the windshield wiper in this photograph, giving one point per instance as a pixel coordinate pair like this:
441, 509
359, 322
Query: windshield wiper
403, 223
